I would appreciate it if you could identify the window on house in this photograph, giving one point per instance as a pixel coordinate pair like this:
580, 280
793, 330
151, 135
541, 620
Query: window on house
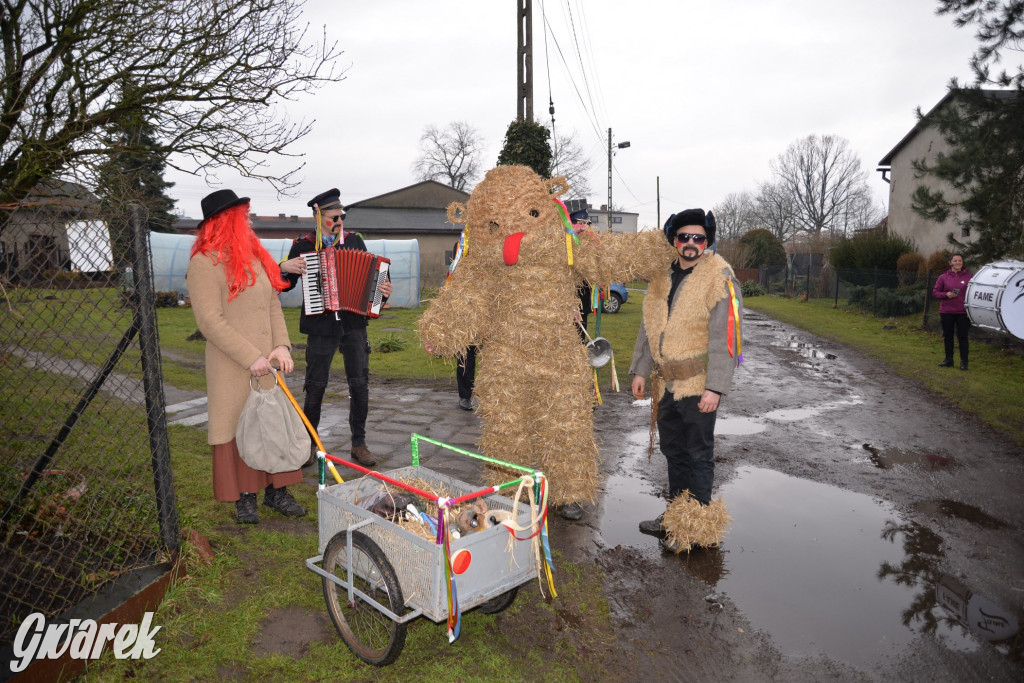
448, 256
616, 219
965, 232
595, 219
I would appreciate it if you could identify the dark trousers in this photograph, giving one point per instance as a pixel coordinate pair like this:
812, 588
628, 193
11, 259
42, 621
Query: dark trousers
355, 351
585, 294
959, 323
688, 444
465, 374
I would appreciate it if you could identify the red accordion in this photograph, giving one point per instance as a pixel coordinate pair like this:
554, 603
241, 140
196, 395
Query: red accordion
343, 280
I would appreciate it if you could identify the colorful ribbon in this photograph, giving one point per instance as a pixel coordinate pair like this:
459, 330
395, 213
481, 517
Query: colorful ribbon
570, 233
460, 251
734, 324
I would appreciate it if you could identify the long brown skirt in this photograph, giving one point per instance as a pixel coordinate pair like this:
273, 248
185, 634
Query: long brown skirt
232, 477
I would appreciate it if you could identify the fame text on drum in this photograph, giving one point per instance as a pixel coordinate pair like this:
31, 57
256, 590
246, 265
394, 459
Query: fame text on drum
995, 297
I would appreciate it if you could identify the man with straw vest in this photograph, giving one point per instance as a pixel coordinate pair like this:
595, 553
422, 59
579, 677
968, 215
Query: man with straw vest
331, 331
689, 339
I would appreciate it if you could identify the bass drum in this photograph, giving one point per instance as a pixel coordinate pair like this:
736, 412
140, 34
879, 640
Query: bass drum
995, 297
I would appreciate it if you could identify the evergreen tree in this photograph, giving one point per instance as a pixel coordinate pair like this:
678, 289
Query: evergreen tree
762, 248
526, 144
985, 130
133, 172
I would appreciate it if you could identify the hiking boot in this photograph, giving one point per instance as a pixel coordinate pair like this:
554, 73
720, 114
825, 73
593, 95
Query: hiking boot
654, 527
466, 403
363, 456
948, 363
571, 511
282, 501
963, 365
670, 546
245, 509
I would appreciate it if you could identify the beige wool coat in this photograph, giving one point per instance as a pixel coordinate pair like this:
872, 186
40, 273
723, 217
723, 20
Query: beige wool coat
237, 333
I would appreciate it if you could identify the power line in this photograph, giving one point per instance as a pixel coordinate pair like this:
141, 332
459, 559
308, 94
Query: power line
590, 55
572, 80
579, 57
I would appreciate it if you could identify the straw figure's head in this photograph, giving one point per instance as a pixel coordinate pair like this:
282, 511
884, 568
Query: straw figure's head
511, 219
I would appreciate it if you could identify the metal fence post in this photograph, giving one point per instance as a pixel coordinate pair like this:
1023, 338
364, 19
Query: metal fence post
808, 281
152, 380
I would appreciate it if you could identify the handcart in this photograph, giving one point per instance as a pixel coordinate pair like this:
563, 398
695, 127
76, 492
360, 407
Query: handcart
377, 576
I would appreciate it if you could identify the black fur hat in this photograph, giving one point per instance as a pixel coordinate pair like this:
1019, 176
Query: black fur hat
690, 217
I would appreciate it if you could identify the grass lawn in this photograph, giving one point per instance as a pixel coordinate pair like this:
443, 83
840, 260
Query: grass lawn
993, 388
396, 330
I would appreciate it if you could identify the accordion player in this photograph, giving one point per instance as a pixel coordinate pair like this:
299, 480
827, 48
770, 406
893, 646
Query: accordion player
343, 280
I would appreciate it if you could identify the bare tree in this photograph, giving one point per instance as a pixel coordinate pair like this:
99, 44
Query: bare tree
822, 176
208, 74
451, 155
569, 160
736, 215
776, 209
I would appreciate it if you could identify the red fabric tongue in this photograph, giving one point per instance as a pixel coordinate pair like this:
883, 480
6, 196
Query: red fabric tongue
511, 250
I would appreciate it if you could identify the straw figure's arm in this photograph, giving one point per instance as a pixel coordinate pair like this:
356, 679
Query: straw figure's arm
602, 258
456, 319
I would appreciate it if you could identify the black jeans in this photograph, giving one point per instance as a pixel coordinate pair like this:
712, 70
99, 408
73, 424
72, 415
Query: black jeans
355, 351
465, 374
688, 444
961, 324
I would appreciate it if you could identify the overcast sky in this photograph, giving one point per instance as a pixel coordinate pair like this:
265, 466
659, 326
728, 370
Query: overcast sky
707, 93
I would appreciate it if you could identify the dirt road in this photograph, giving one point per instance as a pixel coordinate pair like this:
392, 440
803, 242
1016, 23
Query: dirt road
876, 535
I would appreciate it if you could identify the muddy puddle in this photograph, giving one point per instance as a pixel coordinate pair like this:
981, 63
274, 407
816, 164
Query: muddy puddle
804, 348
887, 458
818, 568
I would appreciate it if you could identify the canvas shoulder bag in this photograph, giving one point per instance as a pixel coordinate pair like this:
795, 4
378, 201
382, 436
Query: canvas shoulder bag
270, 435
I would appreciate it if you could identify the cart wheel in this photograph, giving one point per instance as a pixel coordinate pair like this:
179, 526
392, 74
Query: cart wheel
500, 603
369, 633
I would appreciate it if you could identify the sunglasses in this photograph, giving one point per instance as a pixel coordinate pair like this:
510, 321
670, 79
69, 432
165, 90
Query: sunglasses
334, 219
689, 236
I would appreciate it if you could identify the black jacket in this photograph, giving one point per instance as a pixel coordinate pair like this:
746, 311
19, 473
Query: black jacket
326, 324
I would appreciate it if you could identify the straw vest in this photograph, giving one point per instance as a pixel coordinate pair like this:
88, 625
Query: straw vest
679, 341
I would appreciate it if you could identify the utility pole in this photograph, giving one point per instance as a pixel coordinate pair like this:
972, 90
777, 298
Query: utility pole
621, 145
524, 59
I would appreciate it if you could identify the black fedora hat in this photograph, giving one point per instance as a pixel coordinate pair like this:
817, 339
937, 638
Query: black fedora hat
218, 201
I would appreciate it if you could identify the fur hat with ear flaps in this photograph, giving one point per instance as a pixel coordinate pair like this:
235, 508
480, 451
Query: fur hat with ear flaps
690, 217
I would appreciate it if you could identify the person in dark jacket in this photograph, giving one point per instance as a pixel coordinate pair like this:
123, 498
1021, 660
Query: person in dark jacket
581, 220
331, 331
951, 288
465, 371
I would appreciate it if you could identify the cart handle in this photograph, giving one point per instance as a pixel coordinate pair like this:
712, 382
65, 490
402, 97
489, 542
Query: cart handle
416, 438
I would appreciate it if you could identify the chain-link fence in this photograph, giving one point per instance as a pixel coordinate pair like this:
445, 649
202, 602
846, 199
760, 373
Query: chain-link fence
86, 495
882, 292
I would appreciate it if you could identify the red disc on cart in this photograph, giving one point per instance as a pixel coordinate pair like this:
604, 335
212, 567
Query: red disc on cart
461, 560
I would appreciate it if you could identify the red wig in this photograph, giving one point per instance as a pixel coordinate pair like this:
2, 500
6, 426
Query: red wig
228, 237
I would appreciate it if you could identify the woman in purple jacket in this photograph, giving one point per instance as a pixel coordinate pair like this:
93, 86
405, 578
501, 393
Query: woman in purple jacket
951, 288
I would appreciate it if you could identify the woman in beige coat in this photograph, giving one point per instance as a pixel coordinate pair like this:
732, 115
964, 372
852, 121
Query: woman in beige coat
234, 283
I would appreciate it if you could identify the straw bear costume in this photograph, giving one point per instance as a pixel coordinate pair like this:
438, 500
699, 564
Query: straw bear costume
514, 296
